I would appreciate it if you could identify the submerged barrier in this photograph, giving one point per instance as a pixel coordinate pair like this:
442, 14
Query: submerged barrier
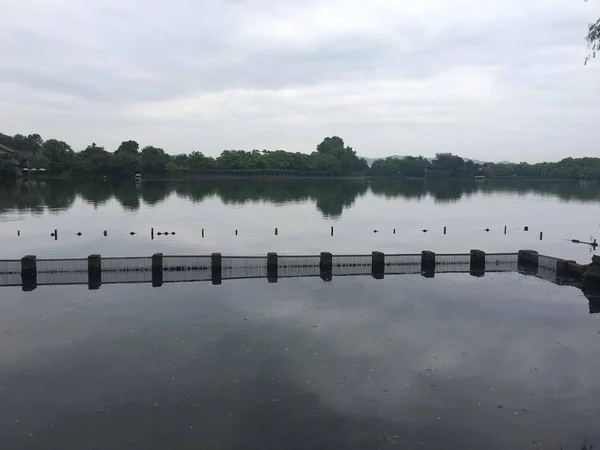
30, 272
158, 269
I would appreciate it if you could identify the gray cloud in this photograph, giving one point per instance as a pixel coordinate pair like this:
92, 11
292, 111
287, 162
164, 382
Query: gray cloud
389, 78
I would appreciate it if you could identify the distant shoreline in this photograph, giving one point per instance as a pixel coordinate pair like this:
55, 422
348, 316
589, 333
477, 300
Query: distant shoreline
286, 178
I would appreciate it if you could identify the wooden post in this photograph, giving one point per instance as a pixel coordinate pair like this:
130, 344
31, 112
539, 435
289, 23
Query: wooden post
477, 263
541, 235
272, 265
378, 265
326, 266
444, 231
151, 233
157, 270
332, 230
528, 262
428, 264
29, 273
94, 272
216, 268
55, 235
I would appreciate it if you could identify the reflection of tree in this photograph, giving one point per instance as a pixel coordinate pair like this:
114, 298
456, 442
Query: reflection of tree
449, 190
127, 195
154, 193
96, 193
330, 196
35, 196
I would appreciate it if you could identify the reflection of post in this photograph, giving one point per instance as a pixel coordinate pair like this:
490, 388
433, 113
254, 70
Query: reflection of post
94, 272
428, 264
477, 263
378, 265
326, 266
29, 273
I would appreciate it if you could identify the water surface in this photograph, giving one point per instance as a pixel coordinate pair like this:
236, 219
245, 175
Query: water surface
456, 362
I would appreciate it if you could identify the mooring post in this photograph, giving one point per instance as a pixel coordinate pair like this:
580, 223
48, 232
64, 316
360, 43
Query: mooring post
541, 235
202, 232
477, 263
326, 266
276, 231
332, 230
378, 265
94, 272
29, 273
216, 263
504, 229
526, 228
272, 264
428, 264
151, 233
528, 261
55, 234
157, 270
444, 230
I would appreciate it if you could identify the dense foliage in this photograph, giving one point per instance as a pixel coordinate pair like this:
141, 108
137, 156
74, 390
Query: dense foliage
331, 158
57, 157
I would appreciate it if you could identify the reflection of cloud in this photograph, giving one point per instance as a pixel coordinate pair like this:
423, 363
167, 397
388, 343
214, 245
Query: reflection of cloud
449, 362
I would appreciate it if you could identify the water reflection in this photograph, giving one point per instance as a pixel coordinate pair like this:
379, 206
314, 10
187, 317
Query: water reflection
330, 197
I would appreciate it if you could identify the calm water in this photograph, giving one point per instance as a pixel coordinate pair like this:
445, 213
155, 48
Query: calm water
303, 212
456, 362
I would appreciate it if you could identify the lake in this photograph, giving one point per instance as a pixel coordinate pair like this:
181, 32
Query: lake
506, 361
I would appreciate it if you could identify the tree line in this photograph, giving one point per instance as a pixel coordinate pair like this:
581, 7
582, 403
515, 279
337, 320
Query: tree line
331, 158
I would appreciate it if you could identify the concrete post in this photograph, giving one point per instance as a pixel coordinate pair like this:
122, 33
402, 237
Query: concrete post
477, 263
528, 261
157, 270
94, 272
216, 268
326, 266
428, 264
378, 265
272, 265
29, 273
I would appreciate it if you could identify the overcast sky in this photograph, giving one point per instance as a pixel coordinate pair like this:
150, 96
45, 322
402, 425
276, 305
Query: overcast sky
486, 79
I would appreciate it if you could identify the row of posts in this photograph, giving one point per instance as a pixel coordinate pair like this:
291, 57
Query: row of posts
54, 234
527, 262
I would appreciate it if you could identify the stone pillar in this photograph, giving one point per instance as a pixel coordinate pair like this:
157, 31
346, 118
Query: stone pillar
477, 263
378, 265
272, 264
528, 262
157, 270
216, 268
428, 264
94, 272
29, 273
326, 266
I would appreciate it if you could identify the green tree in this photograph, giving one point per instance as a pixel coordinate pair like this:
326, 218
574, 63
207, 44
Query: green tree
95, 159
61, 157
593, 40
154, 160
129, 147
351, 164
